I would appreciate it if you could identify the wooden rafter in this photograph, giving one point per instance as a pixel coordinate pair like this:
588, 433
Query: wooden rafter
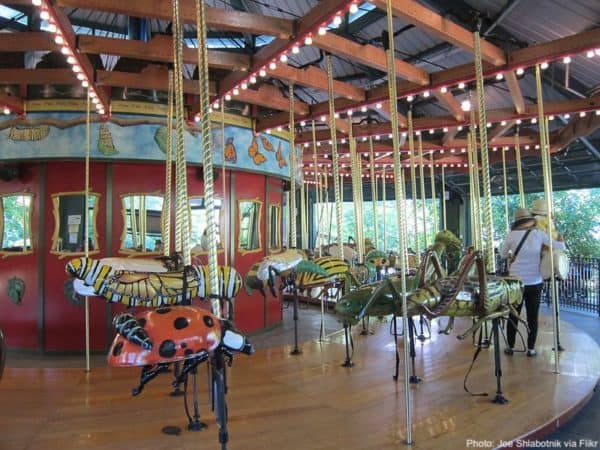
575, 129
219, 18
317, 16
270, 97
450, 103
515, 91
370, 56
417, 14
317, 78
463, 73
159, 48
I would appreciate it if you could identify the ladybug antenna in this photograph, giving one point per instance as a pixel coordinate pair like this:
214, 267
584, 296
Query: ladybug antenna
132, 330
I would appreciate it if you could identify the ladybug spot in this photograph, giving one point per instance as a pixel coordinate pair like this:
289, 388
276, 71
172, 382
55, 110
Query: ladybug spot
117, 349
188, 352
142, 322
163, 310
208, 321
183, 345
167, 349
180, 323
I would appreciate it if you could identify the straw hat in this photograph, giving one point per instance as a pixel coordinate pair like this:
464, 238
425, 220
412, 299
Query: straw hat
539, 207
521, 216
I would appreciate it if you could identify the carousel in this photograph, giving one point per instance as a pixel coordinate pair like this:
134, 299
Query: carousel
174, 286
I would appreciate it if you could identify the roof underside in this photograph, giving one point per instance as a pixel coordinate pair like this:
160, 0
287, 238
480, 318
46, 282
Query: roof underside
426, 54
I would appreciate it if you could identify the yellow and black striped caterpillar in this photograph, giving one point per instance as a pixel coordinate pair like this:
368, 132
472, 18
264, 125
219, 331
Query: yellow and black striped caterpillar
152, 289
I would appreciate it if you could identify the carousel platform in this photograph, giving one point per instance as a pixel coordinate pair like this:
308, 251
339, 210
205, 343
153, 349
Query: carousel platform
279, 401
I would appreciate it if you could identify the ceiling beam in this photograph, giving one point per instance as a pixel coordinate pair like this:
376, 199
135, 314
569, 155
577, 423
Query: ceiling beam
451, 104
37, 76
159, 48
219, 18
463, 73
152, 78
417, 14
27, 41
515, 91
370, 56
317, 16
269, 96
500, 130
578, 127
316, 78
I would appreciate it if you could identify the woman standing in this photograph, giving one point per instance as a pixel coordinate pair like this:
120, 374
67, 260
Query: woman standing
523, 248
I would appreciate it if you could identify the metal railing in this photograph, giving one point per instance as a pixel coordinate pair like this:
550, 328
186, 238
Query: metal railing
581, 289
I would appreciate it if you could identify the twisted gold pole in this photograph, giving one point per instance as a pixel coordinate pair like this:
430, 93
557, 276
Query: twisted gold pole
319, 210
207, 157
422, 184
547, 172
433, 196
224, 203
506, 220
293, 212
400, 209
86, 237
413, 179
166, 215
373, 192
334, 154
443, 196
356, 169
182, 223
519, 170
490, 259
303, 230
383, 208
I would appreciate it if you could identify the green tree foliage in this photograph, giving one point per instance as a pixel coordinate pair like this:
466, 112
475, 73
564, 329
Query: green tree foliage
577, 218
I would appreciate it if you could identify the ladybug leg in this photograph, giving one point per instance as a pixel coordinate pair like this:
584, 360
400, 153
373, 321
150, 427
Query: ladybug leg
148, 374
189, 365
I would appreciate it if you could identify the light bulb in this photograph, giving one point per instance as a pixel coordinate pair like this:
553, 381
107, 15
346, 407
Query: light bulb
253, 79
499, 76
567, 60
544, 65
465, 105
520, 71
272, 65
308, 40
461, 85
443, 89
322, 31
283, 58
295, 49
262, 73
353, 8
44, 15
6, 110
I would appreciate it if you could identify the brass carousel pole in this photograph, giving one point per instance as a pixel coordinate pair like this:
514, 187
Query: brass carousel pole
506, 220
443, 196
488, 221
224, 203
519, 170
207, 157
318, 197
413, 180
433, 196
373, 192
293, 212
383, 208
547, 171
168, 171
422, 184
86, 237
400, 211
334, 157
356, 169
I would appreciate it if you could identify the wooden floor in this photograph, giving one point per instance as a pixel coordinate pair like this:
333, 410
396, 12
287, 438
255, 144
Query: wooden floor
278, 401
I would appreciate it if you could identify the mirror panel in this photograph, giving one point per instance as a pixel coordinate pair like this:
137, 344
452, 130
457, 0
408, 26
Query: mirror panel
142, 216
15, 223
199, 242
274, 227
249, 219
70, 221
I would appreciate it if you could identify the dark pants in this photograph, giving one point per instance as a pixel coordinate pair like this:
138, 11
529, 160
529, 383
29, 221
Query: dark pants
531, 298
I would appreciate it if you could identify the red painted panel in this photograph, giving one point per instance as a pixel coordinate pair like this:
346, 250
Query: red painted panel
273, 304
249, 309
64, 323
20, 322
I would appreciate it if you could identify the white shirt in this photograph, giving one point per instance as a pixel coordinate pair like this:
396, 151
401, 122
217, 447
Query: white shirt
527, 264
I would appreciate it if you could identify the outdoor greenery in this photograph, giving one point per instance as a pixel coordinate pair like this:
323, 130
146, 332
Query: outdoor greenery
577, 219
15, 221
